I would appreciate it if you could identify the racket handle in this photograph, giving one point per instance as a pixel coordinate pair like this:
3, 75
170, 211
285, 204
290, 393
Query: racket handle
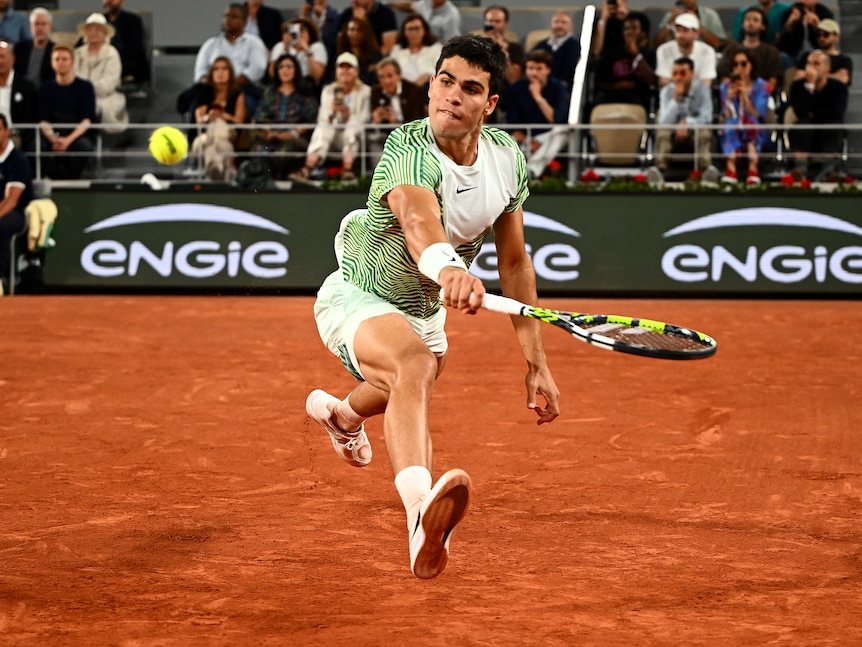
503, 305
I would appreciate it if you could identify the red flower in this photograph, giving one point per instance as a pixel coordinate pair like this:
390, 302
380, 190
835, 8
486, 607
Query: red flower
848, 179
694, 175
805, 183
590, 176
555, 166
640, 178
787, 180
333, 172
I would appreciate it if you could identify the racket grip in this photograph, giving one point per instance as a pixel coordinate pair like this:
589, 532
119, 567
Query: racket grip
503, 305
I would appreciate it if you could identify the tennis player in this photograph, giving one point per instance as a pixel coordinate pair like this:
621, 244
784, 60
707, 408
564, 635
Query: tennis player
440, 188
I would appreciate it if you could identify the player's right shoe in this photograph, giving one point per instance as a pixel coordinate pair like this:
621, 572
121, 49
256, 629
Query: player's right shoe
439, 513
352, 447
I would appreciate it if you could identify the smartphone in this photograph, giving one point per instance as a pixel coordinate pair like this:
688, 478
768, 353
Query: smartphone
338, 95
294, 32
734, 77
488, 27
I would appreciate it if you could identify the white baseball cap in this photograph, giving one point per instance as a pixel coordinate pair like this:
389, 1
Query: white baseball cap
687, 20
347, 58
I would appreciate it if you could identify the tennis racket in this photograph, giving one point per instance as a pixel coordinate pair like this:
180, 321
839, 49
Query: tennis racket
625, 334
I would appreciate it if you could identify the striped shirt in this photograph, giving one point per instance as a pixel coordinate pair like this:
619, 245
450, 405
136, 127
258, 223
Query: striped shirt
373, 252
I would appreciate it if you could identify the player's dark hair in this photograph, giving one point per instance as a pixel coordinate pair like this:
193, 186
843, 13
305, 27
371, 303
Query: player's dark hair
481, 52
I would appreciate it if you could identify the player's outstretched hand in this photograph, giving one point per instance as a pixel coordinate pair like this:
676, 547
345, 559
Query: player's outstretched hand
461, 290
540, 381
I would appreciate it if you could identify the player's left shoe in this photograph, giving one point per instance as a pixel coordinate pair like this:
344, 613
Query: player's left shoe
352, 447
439, 513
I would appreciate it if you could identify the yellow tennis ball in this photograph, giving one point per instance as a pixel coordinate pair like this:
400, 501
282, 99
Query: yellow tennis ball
168, 145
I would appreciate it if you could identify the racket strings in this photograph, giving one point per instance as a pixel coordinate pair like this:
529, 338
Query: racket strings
641, 336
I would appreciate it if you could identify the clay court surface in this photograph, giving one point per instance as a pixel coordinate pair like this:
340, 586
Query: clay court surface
160, 484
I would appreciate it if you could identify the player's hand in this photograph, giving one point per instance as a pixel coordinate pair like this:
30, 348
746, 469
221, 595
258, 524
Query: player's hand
540, 381
461, 290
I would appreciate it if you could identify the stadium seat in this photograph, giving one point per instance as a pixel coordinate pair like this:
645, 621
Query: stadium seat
534, 37
621, 147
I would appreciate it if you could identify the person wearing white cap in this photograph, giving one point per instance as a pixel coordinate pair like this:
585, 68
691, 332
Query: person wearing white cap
345, 106
686, 44
712, 30
99, 62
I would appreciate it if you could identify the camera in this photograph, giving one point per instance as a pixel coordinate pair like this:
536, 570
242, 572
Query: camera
488, 27
385, 101
294, 32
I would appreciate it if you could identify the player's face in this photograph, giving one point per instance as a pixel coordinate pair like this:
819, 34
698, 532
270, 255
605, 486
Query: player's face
459, 99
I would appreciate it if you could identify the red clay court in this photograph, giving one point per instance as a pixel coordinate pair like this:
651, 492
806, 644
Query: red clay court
160, 484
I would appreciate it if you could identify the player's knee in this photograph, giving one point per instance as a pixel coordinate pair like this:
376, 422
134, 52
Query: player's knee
417, 368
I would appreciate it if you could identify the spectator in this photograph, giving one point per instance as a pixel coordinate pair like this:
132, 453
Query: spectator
798, 34
564, 46
17, 192
840, 66
287, 100
686, 45
382, 20
17, 99
538, 98
98, 62
394, 101
442, 16
65, 99
129, 40
774, 12
684, 104
220, 103
359, 39
626, 69
817, 99
744, 100
263, 22
33, 57
14, 26
712, 31
301, 40
417, 50
496, 28
326, 18
247, 53
345, 107
767, 60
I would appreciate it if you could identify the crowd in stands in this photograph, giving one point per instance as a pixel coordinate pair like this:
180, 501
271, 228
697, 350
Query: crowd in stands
316, 83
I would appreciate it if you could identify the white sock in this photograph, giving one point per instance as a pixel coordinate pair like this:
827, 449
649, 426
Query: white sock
413, 484
345, 417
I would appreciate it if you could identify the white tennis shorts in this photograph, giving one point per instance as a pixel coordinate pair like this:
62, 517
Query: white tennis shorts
341, 307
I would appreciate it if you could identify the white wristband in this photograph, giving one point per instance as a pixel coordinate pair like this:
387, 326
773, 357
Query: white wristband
436, 257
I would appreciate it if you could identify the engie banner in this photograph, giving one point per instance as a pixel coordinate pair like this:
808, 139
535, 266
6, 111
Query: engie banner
704, 244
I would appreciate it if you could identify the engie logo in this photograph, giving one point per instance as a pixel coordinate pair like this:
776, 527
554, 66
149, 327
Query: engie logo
197, 259
819, 256
553, 261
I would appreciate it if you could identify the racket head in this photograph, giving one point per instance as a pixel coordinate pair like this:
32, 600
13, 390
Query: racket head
634, 335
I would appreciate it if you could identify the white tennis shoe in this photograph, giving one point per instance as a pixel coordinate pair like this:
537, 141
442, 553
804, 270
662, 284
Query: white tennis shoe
352, 447
439, 513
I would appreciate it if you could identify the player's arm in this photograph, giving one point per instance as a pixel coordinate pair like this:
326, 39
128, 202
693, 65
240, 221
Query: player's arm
418, 212
518, 280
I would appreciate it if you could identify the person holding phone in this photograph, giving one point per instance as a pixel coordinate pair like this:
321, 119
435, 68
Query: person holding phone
301, 38
496, 27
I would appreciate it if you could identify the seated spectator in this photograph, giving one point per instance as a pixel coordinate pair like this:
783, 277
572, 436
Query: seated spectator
417, 50
98, 62
17, 192
345, 107
744, 100
33, 57
626, 69
774, 11
817, 99
247, 53
326, 18
381, 18
686, 45
798, 34
394, 101
14, 26
65, 99
287, 100
220, 103
263, 22
538, 98
442, 16
300, 39
766, 58
564, 46
711, 29
358, 38
840, 66
129, 40
497, 29
684, 104
18, 98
